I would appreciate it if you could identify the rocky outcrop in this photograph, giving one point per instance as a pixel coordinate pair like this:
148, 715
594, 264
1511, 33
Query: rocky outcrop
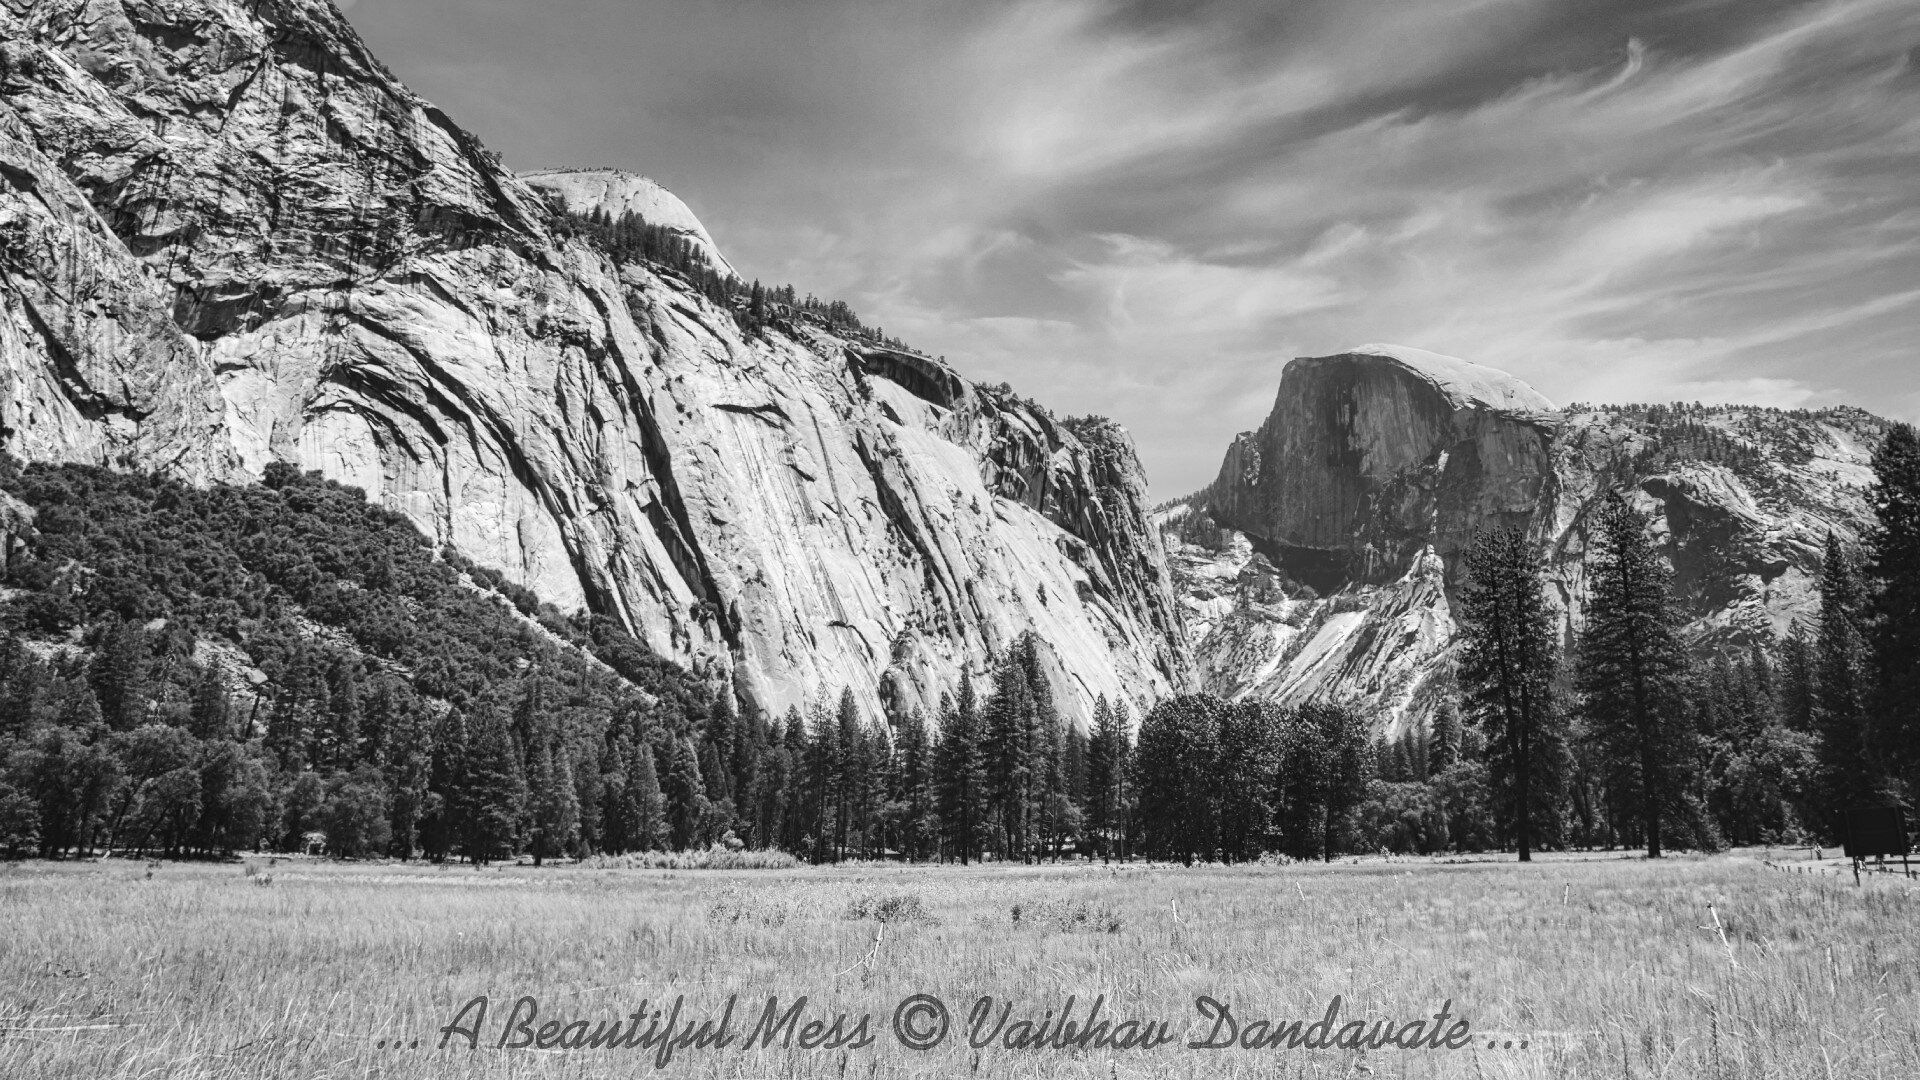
1373, 456
616, 193
1742, 500
1319, 566
259, 246
1256, 632
16, 528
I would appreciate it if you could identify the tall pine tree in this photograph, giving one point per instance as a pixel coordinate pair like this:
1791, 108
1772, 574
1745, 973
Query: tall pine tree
555, 802
1509, 658
962, 785
1847, 774
1895, 566
493, 790
1632, 670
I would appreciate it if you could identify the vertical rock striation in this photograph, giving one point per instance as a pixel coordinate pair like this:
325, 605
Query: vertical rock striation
234, 238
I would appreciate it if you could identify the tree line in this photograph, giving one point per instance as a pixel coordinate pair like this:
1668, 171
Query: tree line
631, 238
282, 666
1634, 738
202, 671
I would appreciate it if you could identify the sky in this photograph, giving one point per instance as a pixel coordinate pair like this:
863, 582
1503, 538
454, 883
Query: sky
1145, 209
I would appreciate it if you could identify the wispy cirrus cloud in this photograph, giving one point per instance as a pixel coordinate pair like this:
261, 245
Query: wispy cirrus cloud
1144, 209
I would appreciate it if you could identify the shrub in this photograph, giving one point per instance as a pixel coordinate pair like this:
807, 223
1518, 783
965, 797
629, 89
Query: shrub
735, 905
1067, 916
890, 908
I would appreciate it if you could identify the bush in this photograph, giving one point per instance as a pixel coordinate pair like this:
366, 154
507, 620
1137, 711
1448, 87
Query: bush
355, 815
19, 822
735, 905
890, 908
1067, 916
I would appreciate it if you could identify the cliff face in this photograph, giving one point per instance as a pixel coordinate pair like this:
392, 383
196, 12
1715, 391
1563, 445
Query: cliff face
1742, 500
249, 243
1371, 456
1320, 564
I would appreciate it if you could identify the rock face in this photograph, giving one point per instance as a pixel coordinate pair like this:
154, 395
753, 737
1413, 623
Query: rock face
616, 193
1320, 564
234, 238
1369, 457
16, 528
1742, 500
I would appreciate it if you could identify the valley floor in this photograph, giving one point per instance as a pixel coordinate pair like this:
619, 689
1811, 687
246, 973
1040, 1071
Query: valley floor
1574, 966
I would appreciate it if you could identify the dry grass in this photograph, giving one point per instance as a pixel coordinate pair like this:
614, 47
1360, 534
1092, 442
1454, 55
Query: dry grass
1600, 966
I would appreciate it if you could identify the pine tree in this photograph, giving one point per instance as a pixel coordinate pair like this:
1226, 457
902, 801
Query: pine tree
919, 820
652, 831
719, 780
382, 718
796, 820
408, 742
1761, 673
1798, 683
1631, 672
1123, 798
1416, 741
1009, 718
1895, 605
1073, 763
22, 684
851, 777
119, 675
493, 790
822, 783
962, 774
751, 777
724, 735
1847, 774
440, 814
1048, 808
211, 715
1443, 740
1102, 773
686, 794
555, 802
757, 306
532, 715
1509, 659
341, 739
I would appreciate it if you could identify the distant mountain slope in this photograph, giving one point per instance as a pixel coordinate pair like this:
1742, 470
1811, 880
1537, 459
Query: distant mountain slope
1320, 563
233, 238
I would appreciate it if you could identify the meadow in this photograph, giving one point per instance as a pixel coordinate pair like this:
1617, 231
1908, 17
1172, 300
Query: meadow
1600, 966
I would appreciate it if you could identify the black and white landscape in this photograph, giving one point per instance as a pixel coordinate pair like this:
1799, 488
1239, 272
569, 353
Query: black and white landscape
982, 526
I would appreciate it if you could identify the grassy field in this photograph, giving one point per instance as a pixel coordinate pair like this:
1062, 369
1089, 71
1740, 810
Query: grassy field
1599, 966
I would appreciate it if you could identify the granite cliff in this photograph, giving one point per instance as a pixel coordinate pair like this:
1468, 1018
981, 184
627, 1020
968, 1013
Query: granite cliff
232, 238
1320, 564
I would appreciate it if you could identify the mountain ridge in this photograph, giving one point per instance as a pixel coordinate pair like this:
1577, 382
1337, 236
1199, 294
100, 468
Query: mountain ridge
326, 270
1321, 563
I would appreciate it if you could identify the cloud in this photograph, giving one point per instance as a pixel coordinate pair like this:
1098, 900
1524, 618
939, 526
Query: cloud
1146, 208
